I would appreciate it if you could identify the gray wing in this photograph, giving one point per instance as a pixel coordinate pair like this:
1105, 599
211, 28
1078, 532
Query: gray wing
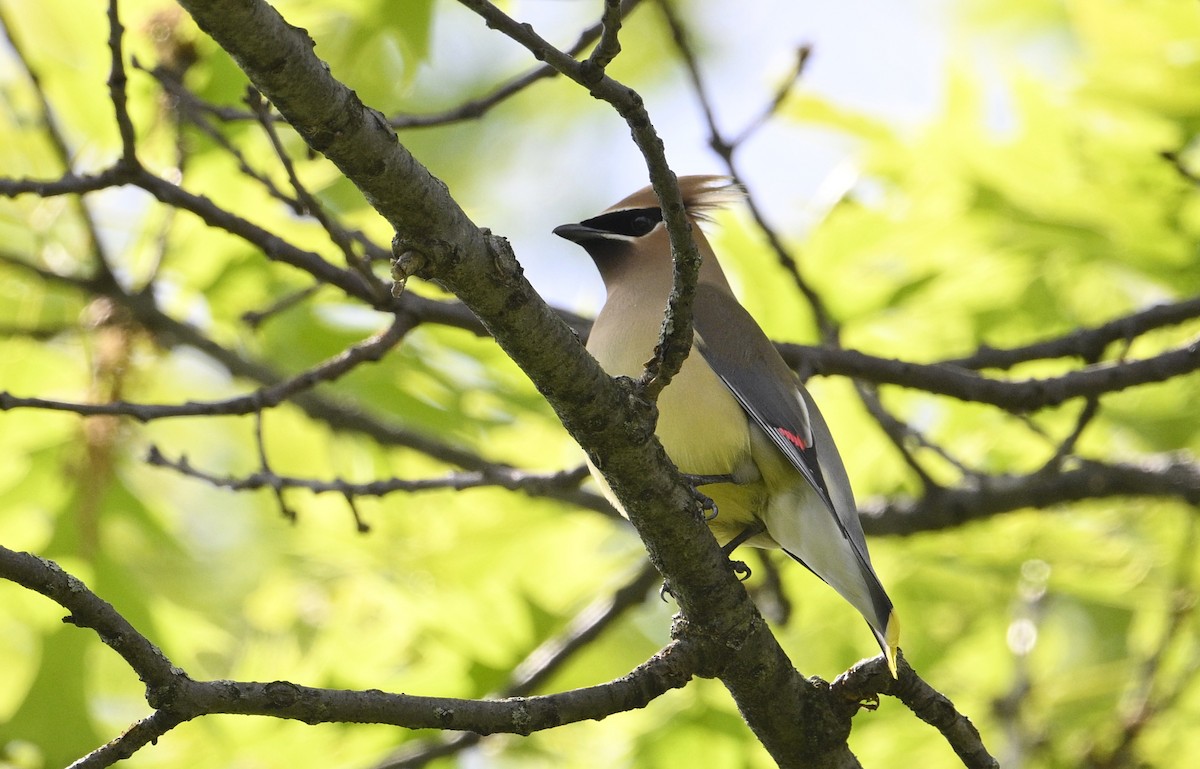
738, 351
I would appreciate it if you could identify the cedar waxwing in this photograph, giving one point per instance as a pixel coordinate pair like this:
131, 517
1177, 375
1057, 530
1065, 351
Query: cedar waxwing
735, 410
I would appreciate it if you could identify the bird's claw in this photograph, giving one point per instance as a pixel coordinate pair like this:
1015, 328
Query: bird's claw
741, 570
706, 502
665, 591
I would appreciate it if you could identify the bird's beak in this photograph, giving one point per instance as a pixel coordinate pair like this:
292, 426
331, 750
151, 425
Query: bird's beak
578, 233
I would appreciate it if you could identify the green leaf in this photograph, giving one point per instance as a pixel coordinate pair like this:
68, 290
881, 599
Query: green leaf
55, 713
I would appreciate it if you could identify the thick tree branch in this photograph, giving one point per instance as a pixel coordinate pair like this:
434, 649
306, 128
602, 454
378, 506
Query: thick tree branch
438, 240
669, 669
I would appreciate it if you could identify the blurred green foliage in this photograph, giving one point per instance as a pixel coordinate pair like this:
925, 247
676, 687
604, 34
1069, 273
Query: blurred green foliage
1060, 193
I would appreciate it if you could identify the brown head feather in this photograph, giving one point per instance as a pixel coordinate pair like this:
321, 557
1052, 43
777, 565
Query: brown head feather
702, 195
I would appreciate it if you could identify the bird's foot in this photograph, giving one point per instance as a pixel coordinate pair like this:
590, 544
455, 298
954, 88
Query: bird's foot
665, 591
706, 502
739, 567
753, 530
707, 505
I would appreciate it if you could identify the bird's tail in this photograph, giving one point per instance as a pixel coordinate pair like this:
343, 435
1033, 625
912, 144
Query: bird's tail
889, 640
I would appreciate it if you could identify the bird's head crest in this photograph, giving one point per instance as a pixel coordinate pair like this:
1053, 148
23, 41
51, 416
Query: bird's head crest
702, 196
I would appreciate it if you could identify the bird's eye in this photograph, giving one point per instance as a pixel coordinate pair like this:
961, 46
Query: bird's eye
626, 223
641, 221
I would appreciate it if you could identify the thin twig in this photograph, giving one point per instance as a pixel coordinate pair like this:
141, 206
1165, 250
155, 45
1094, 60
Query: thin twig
477, 108
1084, 343
726, 150
63, 152
469, 110
609, 46
367, 351
897, 432
145, 732
1152, 691
255, 318
117, 82
287, 510
784, 90
497, 476
309, 205
675, 339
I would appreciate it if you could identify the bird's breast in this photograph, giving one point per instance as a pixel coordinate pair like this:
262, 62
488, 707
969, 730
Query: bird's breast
700, 424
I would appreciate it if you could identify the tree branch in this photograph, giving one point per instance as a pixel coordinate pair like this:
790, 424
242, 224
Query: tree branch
87, 610
1085, 343
171, 333
178, 698
368, 351
563, 485
440, 242
985, 496
726, 149
144, 732
58, 142
1016, 396
866, 680
669, 669
675, 339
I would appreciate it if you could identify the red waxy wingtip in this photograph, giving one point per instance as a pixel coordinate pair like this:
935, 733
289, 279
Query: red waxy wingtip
794, 439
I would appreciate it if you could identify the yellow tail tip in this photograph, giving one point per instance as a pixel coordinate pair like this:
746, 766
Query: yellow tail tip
892, 643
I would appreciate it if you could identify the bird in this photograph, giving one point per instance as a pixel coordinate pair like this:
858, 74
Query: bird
736, 418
